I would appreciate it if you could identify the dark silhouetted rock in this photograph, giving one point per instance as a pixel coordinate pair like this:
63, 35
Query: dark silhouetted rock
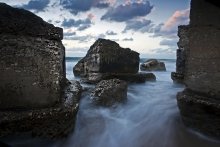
34, 93
52, 122
200, 112
109, 92
133, 78
199, 103
32, 62
183, 44
106, 60
153, 65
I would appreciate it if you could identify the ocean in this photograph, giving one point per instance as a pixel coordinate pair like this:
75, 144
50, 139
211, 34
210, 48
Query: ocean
149, 118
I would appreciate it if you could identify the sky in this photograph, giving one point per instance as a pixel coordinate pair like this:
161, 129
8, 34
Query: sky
146, 26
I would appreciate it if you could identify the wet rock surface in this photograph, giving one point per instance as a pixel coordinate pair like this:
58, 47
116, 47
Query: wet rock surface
106, 60
109, 92
153, 65
200, 112
53, 122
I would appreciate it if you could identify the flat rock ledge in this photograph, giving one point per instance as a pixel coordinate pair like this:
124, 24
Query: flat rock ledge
200, 113
54, 122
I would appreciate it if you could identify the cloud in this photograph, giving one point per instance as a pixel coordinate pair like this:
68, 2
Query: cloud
128, 39
69, 33
172, 43
138, 25
84, 38
80, 39
170, 27
128, 11
80, 24
76, 6
38, 5
110, 33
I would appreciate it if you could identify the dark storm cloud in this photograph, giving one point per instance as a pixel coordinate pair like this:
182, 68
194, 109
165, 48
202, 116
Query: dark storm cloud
76, 6
81, 24
128, 11
138, 25
110, 33
38, 5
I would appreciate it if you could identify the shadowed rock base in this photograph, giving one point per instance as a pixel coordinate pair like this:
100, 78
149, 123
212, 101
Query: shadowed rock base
51, 122
93, 78
200, 113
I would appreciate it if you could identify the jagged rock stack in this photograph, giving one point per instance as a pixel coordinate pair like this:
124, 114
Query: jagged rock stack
32, 64
199, 103
107, 60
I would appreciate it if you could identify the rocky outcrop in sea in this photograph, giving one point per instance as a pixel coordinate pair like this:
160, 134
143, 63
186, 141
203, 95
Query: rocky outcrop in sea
106, 60
153, 65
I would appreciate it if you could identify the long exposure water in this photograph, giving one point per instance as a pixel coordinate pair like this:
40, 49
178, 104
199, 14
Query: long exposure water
149, 118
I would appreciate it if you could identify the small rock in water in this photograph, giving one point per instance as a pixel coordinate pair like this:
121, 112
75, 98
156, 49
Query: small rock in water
109, 92
153, 65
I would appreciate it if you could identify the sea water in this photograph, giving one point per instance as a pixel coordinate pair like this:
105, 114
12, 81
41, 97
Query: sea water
149, 118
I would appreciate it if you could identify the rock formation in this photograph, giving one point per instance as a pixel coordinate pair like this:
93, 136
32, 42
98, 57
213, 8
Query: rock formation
32, 64
108, 92
199, 103
183, 45
153, 65
106, 59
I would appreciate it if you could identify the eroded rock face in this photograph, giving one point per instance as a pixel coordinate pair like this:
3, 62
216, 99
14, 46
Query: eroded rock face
153, 65
106, 60
52, 122
199, 102
106, 56
34, 93
109, 92
183, 44
32, 60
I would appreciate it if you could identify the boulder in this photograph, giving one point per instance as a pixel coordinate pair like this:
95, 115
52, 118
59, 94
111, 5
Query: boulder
153, 65
109, 92
106, 60
51, 122
32, 60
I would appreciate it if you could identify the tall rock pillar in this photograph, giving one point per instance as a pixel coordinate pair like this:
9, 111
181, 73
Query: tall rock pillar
199, 103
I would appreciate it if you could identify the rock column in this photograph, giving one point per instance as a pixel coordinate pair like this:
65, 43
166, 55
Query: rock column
199, 103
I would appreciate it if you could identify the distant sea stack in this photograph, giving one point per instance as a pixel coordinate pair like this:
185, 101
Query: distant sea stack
107, 60
32, 64
199, 103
